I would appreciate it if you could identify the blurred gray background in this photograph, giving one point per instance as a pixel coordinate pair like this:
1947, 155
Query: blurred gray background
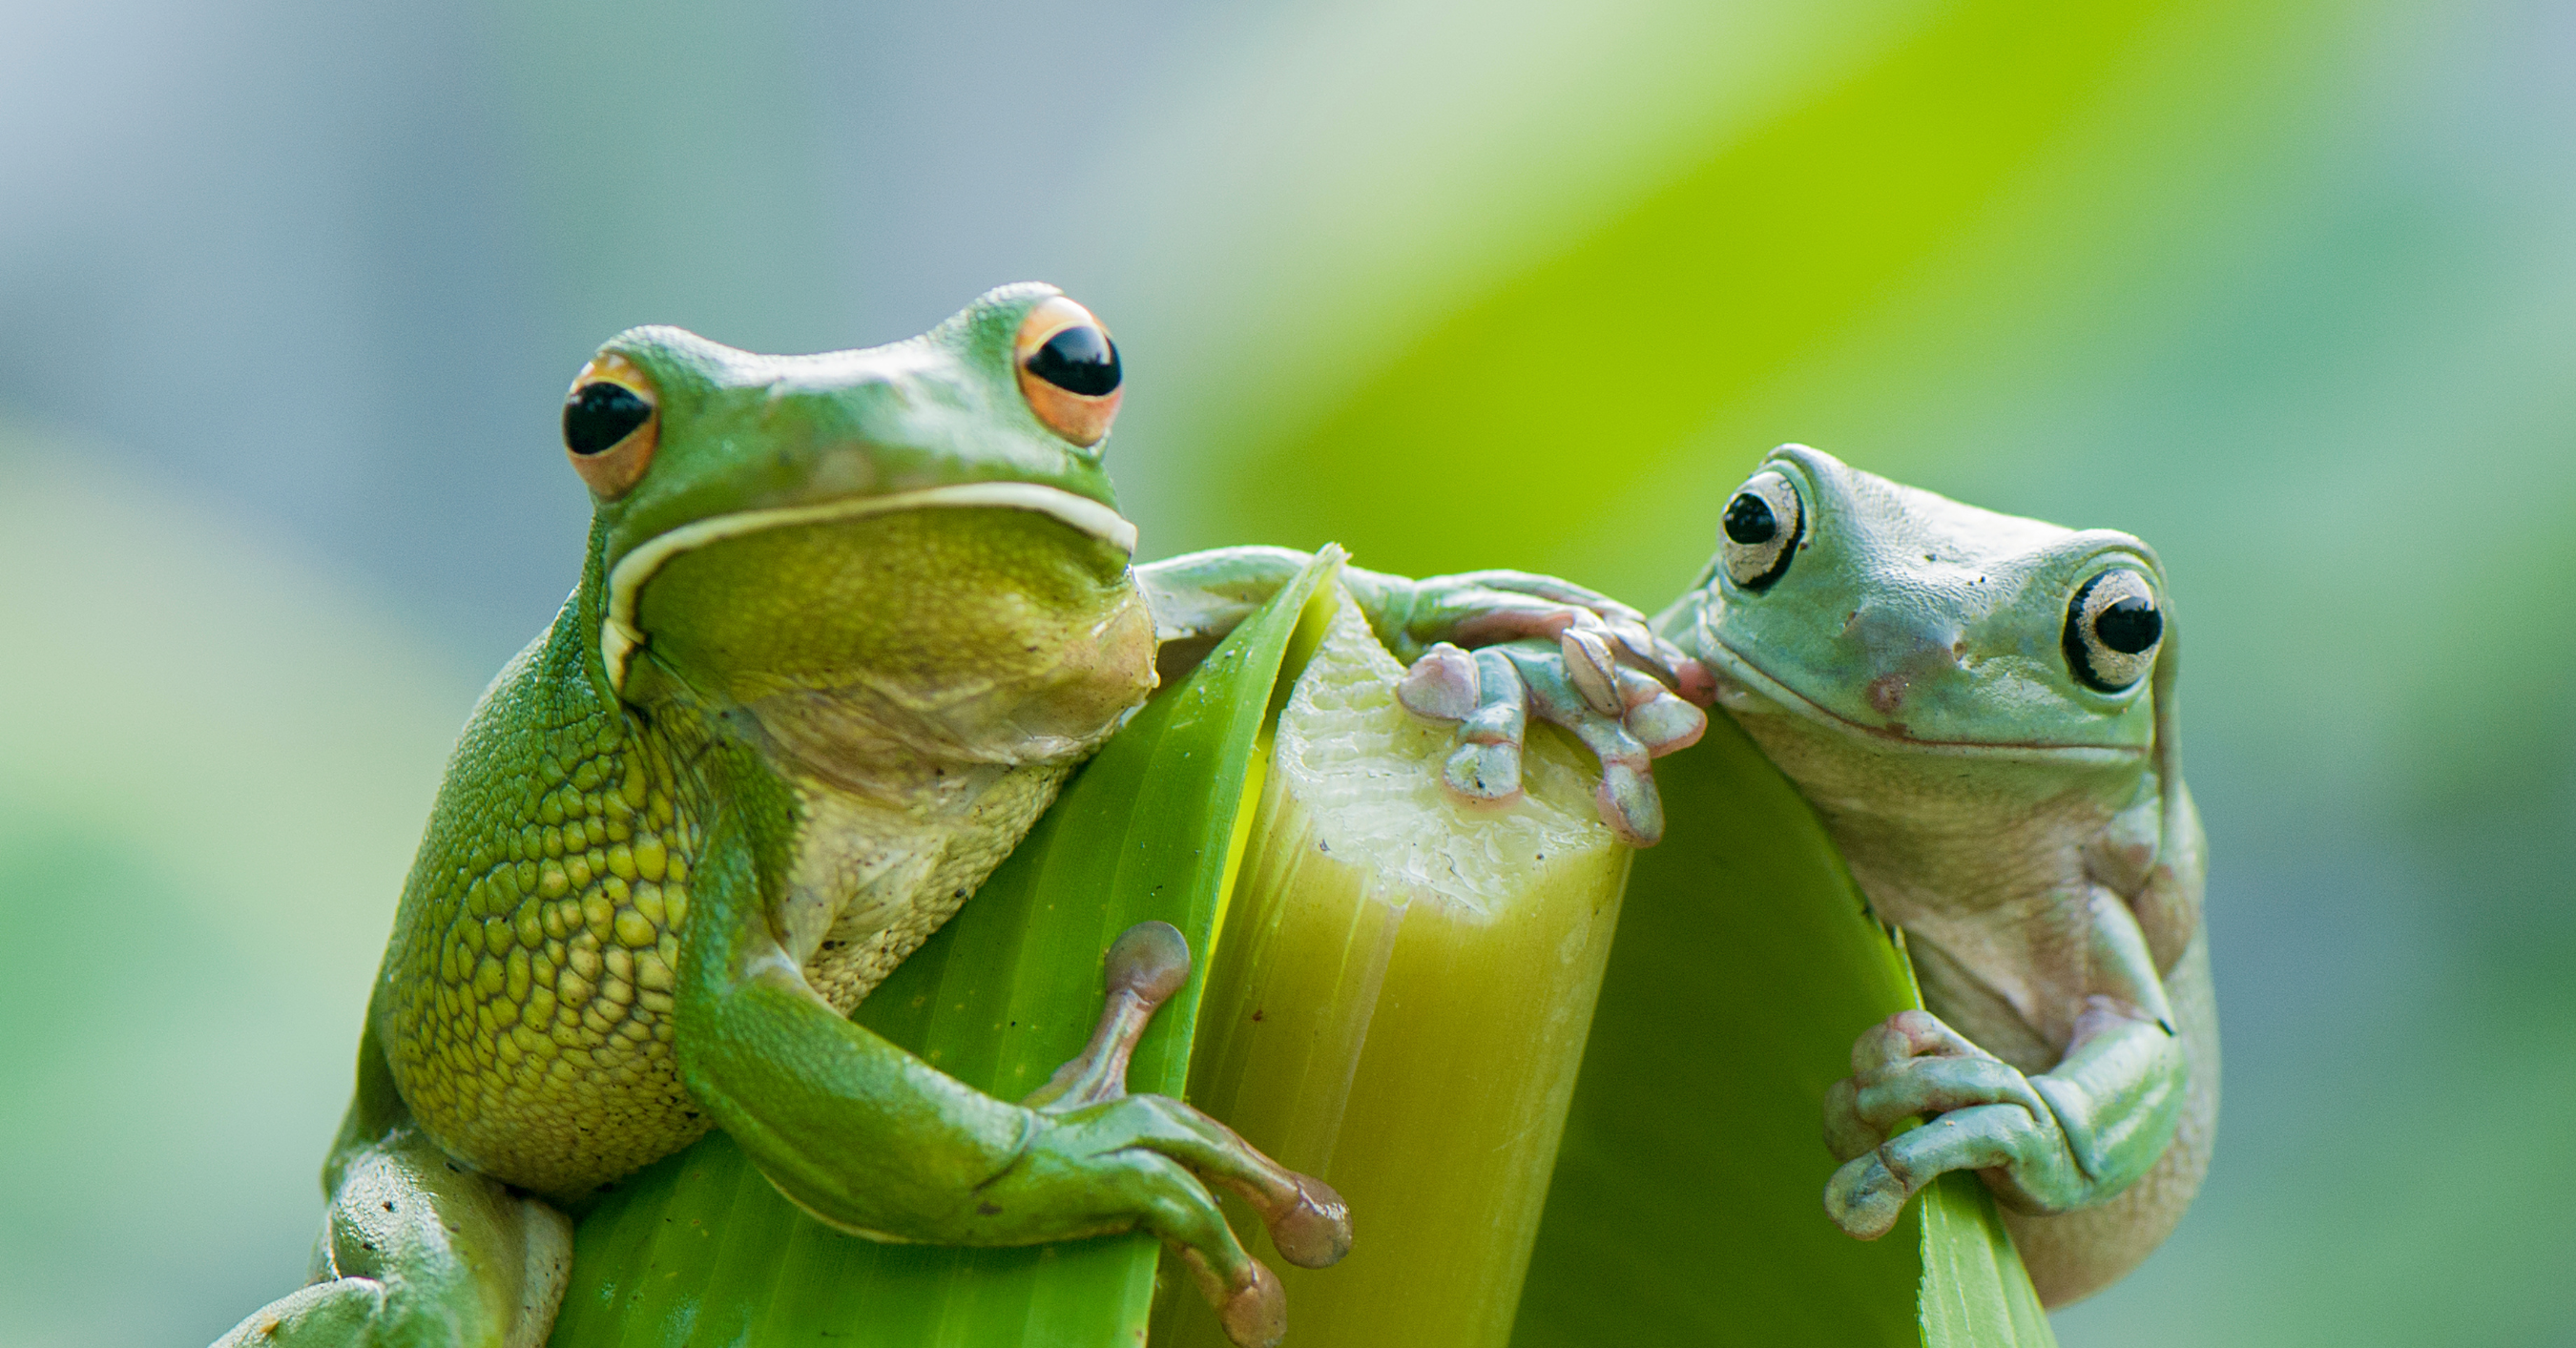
289, 293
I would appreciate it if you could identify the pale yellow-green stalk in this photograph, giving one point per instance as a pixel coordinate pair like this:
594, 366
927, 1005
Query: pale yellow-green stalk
1400, 996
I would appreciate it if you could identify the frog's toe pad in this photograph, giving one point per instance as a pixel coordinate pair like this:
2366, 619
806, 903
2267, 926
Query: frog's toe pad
1864, 1198
1315, 1230
1251, 1306
1441, 686
1150, 959
1628, 803
1667, 723
1484, 773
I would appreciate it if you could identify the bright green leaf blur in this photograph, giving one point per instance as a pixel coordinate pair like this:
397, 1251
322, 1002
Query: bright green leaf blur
2287, 289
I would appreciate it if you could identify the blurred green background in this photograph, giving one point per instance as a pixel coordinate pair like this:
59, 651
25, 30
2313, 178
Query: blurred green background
289, 292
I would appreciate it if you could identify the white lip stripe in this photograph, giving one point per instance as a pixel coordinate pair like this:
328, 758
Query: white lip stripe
619, 636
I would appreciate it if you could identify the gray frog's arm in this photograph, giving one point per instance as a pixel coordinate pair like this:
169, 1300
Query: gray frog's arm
1577, 658
2069, 1138
2085, 1131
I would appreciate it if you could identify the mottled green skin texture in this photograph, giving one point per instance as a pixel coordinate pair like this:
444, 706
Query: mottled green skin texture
2029, 833
527, 995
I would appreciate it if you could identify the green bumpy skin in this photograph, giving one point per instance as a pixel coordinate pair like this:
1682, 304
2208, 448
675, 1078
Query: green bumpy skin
846, 624
528, 991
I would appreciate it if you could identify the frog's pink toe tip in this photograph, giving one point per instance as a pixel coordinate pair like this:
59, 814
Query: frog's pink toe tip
1864, 1199
1255, 1314
1441, 686
1667, 724
1150, 959
1314, 1231
1628, 804
1695, 683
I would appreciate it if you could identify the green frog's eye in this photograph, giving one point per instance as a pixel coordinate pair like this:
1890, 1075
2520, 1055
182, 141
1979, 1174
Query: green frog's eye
611, 422
1758, 535
1068, 370
2113, 628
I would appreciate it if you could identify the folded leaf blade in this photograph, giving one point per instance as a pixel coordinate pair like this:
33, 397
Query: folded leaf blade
1686, 1205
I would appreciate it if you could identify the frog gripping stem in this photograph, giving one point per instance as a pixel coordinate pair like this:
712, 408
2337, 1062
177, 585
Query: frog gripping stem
1308, 1222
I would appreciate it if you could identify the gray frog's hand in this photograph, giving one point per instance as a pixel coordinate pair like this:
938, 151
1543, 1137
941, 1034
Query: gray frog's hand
1622, 714
1489, 608
1578, 658
1113, 1161
2070, 1138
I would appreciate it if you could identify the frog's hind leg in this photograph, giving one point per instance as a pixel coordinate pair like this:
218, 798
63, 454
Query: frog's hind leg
417, 1250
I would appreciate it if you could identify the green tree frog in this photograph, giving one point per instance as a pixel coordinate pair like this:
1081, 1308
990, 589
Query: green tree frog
1981, 708
845, 624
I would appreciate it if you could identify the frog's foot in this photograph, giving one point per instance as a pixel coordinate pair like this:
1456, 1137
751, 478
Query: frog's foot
1577, 680
1153, 1156
418, 1250
1987, 1116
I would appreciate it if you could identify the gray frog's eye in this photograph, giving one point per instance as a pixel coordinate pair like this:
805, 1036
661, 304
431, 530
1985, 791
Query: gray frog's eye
1758, 536
2113, 627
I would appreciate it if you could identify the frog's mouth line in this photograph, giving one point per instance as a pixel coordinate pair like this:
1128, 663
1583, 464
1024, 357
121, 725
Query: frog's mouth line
1755, 679
619, 637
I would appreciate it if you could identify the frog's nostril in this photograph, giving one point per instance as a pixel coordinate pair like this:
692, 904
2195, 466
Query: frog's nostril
1887, 692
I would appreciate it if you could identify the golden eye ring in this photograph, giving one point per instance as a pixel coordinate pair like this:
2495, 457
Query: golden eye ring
612, 419
1068, 370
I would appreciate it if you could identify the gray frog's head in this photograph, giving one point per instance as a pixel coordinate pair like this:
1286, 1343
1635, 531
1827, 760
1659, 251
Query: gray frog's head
1908, 619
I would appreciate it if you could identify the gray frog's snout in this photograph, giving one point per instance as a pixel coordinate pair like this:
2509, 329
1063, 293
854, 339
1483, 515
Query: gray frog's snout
1894, 651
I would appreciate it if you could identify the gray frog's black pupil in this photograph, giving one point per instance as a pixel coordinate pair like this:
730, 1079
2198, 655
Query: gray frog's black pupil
599, 415
1078, 360
2130, 625
1749, 520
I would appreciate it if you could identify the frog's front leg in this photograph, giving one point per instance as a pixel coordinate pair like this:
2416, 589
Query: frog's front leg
417, 1250
2072, 1137
1584, 661
874, 1141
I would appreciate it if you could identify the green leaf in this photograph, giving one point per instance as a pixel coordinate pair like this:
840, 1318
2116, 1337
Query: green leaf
1686, 1206
698, 1248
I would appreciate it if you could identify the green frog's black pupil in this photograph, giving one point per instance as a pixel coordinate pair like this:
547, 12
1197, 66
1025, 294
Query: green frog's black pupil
2130, 625
1078, 360
1749, 520
601, 414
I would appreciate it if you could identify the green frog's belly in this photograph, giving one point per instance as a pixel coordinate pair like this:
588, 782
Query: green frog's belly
877, 883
